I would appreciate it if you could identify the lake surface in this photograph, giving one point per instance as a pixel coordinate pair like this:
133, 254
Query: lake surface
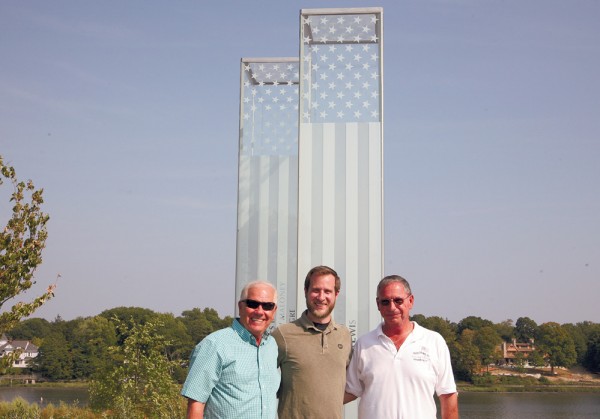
471, 405
45, 395
529, 405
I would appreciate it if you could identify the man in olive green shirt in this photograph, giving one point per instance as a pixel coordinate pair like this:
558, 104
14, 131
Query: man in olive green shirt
314, 352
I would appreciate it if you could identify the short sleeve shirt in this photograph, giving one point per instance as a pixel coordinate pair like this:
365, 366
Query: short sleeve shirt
313, 369
400, 383
233, 376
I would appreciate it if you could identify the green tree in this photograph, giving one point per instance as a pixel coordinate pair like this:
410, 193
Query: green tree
557, 345
31, 329
201, 323
128, 317
465, 355
580, 339
90, 341
21, 245
180, 343
473, 323
536, 358
592, 356
505, 329
526, 329
138, 384
488, 342
440, 325
54, 360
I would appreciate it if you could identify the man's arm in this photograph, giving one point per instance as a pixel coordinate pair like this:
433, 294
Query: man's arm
348, 397
449, 405
195, 409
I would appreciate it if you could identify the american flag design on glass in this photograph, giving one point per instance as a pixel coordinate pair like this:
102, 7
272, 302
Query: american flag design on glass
341, 68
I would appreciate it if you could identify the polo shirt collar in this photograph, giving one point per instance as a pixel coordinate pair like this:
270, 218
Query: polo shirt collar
245, 335
416, 334
308, 324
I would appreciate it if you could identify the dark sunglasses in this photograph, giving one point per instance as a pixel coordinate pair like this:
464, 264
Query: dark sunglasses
397, 301
255, 304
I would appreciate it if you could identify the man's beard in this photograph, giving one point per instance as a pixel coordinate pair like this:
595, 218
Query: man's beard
312, 307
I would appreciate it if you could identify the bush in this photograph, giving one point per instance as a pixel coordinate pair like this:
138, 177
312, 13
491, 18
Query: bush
19, 409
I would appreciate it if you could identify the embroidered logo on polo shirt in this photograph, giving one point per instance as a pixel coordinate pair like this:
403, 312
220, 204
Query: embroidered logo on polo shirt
422, 355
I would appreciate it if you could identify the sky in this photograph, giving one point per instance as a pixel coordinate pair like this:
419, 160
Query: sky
127, 115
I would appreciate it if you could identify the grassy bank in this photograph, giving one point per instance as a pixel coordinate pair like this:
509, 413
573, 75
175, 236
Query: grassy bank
552, 388
515, 383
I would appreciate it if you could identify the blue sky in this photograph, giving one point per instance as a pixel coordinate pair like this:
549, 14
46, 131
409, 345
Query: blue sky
126, 113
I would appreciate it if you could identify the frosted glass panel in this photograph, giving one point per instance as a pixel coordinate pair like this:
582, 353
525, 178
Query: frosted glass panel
268, 179
340, 216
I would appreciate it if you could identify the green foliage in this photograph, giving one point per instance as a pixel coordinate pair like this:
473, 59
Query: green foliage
466, 359
55, 359
31, 329
580, 339
505, 330
536, 358
526, 329
19, 409
473, 323
442, 326
21, 245
201, 323
128, 316
89, 345
592, 355
138, 383
557, 345
488, 341
491, 380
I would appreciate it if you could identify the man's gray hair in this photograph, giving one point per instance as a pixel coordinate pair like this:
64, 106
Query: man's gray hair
244, 293
390, 279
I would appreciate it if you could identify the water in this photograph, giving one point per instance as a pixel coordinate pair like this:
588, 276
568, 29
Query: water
471, 405
529, 405
45, 395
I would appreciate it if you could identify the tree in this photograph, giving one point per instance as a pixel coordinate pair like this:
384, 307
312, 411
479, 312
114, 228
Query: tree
21, 245
473, 323
526, 329
54, 360
90, 341
127, 317
180, 343
487, 341
465, 355
31, 329
592, 356
440, 325
556, 345
201, 323
505, 329
138, 383
580, 339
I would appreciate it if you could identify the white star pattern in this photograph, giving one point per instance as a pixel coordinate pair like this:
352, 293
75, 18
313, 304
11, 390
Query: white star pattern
270, 108
345, 49
341, 83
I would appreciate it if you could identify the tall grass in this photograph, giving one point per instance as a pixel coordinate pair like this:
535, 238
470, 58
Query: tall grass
19, 408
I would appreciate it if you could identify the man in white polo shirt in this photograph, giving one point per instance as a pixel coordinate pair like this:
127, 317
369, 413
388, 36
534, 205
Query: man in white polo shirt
397, 368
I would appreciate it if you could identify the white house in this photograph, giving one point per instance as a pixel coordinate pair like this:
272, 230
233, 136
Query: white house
27, 350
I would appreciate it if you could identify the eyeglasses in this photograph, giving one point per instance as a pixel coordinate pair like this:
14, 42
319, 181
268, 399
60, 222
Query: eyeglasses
255, 304
397, 301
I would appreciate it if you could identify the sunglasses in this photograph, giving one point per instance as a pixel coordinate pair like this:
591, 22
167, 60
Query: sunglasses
397, 301
255, 304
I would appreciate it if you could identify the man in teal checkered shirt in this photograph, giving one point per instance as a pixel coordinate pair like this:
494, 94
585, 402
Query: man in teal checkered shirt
233, 372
